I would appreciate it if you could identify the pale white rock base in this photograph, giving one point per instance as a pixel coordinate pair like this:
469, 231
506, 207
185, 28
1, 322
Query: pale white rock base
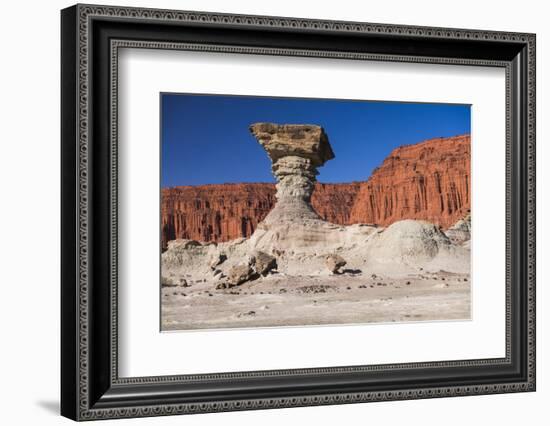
406, 247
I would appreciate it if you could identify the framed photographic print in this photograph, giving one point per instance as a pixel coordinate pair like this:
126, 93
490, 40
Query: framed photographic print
263, 212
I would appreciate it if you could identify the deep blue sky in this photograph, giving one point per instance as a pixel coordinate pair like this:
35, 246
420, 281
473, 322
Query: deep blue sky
205, 138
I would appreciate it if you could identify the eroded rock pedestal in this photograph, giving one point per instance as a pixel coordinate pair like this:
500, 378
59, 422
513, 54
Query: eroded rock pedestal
296, 151
293, 230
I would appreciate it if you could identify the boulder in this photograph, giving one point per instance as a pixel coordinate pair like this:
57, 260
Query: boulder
263, 262
239, 274
167, 282
334, 262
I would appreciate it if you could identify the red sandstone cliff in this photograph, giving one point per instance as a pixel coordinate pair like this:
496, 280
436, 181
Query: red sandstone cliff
228, 211
334, 201
429, 180
214, 212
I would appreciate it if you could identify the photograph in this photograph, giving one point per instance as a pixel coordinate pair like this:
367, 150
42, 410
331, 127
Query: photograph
262, 209
300, 212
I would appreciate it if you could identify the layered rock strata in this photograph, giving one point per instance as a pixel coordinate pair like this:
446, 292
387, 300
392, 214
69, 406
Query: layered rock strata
426, 181
296, 151
214, 212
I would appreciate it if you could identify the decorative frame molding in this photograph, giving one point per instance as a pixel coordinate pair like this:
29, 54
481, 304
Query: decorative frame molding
91, 388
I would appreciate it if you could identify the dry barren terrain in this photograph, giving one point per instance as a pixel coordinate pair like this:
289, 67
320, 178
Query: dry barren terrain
278, 301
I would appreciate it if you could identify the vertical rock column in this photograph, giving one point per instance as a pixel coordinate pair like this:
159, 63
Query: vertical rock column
296, 151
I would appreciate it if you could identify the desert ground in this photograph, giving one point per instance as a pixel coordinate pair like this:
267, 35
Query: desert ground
340, 299
410, 271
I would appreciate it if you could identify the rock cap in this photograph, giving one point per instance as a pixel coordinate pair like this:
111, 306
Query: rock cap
299, 140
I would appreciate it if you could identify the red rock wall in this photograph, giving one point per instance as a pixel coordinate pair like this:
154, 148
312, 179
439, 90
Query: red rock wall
228, 211
334, 201
429, 181
214, 212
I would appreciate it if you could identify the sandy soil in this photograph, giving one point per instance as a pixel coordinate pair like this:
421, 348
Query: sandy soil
279, 300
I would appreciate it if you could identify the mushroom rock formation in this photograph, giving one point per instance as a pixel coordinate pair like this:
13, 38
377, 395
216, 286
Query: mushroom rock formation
296, 151
293, 225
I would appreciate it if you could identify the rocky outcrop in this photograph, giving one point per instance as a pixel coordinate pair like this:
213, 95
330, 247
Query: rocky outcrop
296, 151
293, 233
426, 181
461, 231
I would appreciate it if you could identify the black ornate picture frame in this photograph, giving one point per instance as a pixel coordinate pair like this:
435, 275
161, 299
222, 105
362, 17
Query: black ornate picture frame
91, 387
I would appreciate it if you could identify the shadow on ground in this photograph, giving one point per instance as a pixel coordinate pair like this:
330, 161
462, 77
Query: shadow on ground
50, 406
